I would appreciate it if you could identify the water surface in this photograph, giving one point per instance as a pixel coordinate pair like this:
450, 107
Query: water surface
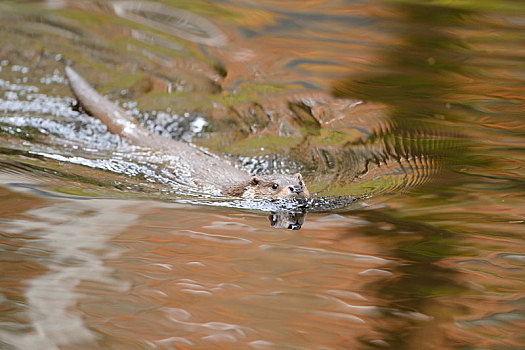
404, 117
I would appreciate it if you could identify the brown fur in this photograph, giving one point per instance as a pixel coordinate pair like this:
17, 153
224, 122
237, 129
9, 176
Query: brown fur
271, 186
206, 169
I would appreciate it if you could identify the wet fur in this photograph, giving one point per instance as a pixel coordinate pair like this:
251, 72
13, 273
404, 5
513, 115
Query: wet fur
206, 169
271, 186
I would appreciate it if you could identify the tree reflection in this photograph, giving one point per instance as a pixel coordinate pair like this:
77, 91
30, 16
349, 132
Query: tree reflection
417, 84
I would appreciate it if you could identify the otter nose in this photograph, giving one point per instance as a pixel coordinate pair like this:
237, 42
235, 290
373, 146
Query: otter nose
296, 189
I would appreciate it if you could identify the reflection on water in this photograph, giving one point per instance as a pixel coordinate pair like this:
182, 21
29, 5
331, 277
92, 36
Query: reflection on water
423, 80
289, 220
61, 239
413, 109
203, 279
316, 130
174, 21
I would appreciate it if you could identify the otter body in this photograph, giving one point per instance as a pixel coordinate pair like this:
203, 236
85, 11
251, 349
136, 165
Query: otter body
205, 169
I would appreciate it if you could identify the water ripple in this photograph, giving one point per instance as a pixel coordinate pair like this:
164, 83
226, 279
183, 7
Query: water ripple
184, 24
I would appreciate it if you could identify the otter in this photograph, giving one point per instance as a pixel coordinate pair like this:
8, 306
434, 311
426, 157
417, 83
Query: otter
205, 169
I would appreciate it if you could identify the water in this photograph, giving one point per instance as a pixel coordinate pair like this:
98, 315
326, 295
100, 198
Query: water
405, 119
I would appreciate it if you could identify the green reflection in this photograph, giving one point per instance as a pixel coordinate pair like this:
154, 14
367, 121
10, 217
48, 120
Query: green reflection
418, 84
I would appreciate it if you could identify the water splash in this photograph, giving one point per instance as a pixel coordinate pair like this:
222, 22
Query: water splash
62, 134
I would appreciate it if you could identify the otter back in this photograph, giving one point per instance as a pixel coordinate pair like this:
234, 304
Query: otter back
204, 168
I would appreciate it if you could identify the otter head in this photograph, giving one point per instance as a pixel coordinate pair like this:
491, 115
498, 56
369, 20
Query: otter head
276, 186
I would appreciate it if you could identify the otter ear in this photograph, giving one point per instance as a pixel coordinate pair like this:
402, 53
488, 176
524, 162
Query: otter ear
254, 180
299, 177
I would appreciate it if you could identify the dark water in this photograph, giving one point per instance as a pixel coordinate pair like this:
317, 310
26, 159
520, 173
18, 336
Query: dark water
404, 117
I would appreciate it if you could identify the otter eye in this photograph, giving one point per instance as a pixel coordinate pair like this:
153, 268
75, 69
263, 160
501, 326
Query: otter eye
275, 186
